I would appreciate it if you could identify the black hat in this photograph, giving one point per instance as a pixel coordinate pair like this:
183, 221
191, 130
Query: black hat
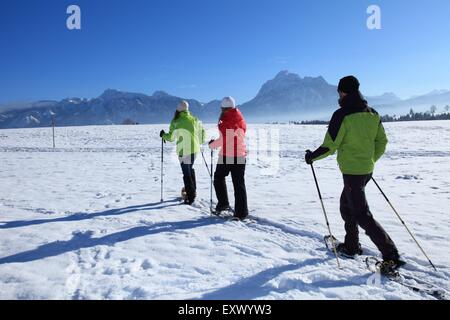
348, 84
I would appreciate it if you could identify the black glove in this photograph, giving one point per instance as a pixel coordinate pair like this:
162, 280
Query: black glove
162, 133
212, 140
309, 157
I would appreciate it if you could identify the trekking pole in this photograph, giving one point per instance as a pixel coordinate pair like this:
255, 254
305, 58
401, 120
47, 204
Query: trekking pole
162, 169
206, 163
210, 172
53, 130
326, 218
401, 220
211, 186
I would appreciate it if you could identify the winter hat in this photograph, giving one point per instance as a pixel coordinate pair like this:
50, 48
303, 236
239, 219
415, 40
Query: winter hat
183, 106
348, 84
228, 102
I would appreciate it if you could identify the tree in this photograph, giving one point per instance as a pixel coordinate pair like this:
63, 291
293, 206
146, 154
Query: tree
433, 110
129, 121
447, 108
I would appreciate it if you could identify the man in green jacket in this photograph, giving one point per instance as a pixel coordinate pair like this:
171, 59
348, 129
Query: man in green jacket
189, 134
357, 134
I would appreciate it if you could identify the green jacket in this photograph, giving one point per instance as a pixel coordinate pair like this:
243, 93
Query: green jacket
188, 132
357, 134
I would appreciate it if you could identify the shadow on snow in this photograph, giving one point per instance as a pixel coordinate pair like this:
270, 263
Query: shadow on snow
255, 286
87, 216
85, 240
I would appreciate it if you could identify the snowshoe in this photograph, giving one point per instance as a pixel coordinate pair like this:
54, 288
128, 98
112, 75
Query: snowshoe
389, 268
343, 251
188, 202
221, 209
239, 219
332, 243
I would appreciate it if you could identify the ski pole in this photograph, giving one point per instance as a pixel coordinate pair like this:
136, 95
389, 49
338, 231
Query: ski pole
211, 186
326, 217
162, 169
210, 172
53, 130
404, 224
206, 163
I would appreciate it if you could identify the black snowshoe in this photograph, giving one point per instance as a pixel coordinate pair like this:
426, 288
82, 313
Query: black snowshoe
389, 268
220, 210
341, 249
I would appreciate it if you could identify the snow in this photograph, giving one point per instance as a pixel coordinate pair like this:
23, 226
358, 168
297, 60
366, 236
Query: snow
84, 220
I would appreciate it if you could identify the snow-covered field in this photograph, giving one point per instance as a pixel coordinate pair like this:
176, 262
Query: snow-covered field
84, 221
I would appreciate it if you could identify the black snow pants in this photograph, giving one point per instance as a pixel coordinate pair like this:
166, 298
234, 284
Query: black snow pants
355, 212
235, 166
189, 179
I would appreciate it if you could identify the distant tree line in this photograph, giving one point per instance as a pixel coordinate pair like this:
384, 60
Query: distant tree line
129, 121
420, 116
309, 122
411, 116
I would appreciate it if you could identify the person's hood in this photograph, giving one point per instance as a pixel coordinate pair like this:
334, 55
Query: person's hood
232, 117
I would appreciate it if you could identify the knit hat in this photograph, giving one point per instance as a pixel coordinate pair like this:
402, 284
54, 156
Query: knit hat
228, 102
183, 106
348, 84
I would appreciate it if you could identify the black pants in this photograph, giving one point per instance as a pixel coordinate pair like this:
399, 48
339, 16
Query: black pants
190, 183
355, 212
235, 166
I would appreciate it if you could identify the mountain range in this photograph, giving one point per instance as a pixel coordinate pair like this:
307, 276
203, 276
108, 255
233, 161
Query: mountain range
286, 97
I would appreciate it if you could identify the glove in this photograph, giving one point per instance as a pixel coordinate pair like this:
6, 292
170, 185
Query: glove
309, 157
162, 133
209, 143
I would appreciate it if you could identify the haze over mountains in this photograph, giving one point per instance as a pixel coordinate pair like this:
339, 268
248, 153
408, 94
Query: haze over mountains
286, 97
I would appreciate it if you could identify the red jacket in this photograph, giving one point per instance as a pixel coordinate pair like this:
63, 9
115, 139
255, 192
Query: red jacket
232, 129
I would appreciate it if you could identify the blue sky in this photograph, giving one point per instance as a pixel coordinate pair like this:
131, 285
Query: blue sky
207, 49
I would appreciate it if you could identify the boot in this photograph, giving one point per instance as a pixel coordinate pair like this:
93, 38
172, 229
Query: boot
345, 252
390, 267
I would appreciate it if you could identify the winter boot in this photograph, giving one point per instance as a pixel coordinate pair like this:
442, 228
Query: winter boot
224, 208
390, 267
345, 252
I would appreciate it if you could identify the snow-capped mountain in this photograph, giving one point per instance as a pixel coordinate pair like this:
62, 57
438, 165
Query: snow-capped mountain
288, 95
387, 98
422, 103
111, 107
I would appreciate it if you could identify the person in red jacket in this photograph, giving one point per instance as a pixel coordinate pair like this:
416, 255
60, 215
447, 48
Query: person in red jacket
232, 159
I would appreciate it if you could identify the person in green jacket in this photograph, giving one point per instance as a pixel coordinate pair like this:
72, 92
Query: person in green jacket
358, 136
189, 134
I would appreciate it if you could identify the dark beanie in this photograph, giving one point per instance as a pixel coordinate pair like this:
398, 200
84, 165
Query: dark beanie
348, 84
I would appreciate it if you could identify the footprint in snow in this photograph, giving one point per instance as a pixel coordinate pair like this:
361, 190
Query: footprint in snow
146, 264
408, 177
